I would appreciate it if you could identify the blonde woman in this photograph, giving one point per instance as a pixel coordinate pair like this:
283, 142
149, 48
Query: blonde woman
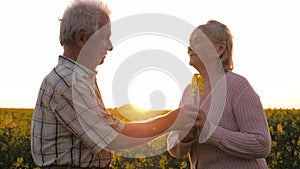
233, 133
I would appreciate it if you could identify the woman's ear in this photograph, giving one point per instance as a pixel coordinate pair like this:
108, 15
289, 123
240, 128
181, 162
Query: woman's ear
80, 39
221, 47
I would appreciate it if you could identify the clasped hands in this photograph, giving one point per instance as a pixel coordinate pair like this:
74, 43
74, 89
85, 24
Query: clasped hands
192, 119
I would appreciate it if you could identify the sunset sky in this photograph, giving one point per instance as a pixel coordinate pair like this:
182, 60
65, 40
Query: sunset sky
266, 42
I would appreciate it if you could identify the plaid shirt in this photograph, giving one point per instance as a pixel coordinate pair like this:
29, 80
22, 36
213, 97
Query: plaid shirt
70, 125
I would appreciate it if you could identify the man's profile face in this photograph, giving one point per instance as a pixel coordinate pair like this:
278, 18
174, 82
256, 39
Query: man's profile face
104, 42
95, 48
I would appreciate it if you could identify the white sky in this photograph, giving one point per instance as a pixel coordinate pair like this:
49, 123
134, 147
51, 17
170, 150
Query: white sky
266, 42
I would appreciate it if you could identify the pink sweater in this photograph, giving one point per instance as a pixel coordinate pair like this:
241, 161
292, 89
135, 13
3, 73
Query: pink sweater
241, 140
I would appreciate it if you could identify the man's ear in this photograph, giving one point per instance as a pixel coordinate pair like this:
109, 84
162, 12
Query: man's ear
221, 47
80, 39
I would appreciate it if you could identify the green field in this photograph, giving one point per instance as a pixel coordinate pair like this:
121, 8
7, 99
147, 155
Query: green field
284, 127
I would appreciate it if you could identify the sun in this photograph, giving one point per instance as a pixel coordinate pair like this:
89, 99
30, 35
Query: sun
138, 109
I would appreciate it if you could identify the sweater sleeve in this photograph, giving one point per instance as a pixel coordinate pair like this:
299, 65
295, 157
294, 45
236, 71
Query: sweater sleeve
252, 140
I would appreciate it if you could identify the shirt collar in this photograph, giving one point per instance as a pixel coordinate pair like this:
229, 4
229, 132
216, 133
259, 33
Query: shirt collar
78, 68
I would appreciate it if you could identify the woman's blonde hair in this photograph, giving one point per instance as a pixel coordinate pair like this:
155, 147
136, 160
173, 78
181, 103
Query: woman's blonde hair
217, 32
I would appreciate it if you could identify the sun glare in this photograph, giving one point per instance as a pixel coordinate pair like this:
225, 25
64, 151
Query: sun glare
138, 109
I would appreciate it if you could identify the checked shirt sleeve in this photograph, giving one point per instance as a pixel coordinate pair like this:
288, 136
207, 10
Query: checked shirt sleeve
96, 127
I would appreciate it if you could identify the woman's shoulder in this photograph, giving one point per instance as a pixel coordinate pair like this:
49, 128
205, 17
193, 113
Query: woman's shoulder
237, 81
235, 76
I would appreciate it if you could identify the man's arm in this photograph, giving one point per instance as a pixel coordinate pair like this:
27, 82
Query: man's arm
107, 132
138, 133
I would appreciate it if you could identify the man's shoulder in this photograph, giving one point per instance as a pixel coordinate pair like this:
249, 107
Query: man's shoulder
59, 77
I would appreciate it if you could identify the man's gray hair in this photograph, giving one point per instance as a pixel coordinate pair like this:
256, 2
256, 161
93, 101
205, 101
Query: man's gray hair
82, 15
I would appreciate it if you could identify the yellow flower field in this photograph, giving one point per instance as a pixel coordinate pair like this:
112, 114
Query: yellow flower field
284, 127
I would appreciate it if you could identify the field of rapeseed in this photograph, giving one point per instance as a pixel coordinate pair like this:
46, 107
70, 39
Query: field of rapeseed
15, 143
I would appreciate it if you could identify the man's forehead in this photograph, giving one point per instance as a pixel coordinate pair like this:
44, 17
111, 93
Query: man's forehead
106, 28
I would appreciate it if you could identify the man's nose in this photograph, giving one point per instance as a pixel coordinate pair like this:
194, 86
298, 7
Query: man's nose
109, 46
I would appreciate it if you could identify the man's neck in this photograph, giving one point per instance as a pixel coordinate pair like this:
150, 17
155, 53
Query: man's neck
71, 53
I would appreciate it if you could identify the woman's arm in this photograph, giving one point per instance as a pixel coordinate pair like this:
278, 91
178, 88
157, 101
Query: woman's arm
253, 138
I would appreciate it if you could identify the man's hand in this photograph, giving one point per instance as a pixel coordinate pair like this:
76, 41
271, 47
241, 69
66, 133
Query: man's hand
187, 116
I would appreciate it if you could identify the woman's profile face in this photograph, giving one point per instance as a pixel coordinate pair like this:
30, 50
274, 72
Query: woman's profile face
194, 58
201, 50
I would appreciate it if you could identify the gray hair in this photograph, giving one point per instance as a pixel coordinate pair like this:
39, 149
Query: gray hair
82, 15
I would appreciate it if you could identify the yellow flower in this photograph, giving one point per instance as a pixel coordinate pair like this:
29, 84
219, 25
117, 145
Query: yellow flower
128, 165
183, 164
279, 128
163, 161
197, 84
20, 160
271, 129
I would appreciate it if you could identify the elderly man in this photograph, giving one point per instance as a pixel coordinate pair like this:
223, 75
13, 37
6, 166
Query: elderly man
70, 126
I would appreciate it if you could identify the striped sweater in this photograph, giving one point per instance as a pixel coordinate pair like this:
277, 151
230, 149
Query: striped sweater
240, 141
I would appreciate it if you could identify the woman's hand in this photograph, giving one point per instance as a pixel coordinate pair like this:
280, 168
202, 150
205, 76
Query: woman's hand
200, 120
190, 136
197, 127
